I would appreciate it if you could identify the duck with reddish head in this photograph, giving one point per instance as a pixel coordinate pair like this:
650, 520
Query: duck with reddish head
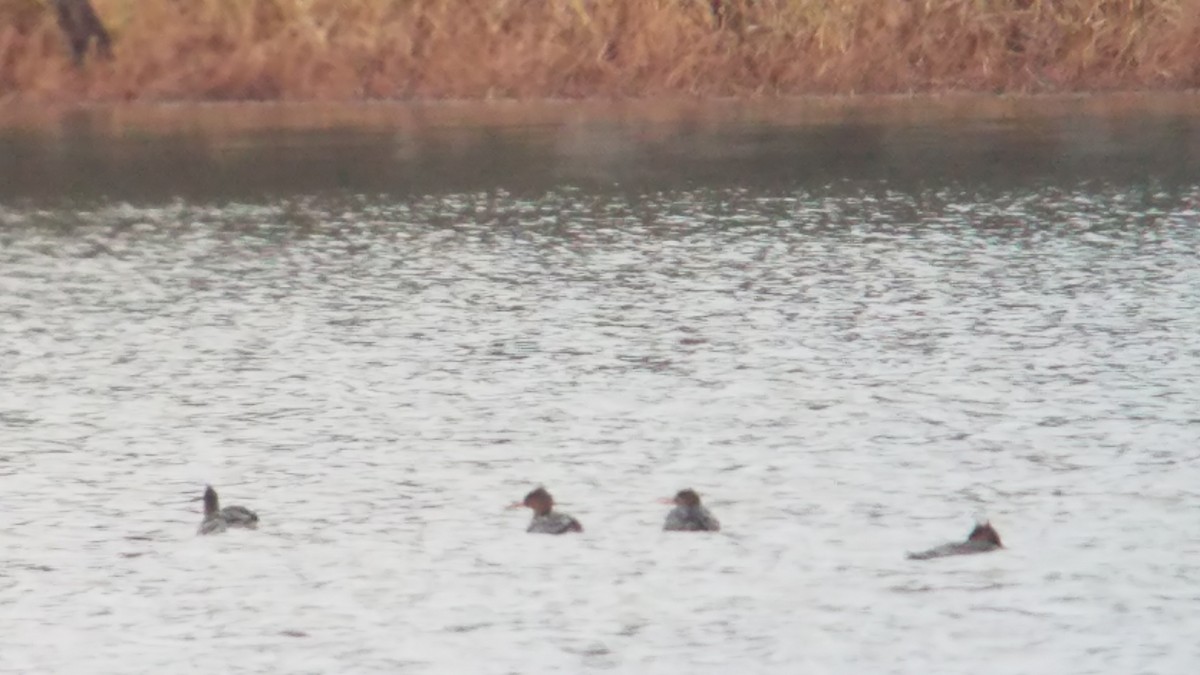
982, 539
689, 515
217, 519
545, 519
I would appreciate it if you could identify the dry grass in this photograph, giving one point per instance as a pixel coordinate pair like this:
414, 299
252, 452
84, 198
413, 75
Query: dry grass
372, 49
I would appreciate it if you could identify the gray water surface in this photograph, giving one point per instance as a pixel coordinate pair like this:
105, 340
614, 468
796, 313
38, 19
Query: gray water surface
847, 362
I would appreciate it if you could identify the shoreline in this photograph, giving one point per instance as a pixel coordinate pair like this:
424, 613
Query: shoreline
431, 114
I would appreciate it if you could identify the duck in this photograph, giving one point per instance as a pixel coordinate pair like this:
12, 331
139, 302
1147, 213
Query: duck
217, 519
982, 539
545, 519
689, 515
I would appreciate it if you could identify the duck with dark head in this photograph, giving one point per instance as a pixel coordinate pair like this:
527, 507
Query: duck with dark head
982, 539
689, 515
545, 519
217, 519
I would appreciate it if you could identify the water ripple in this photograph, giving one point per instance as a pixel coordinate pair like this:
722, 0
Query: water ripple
845, 374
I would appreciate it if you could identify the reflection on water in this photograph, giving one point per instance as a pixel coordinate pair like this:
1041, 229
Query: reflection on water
256, 152
846, 370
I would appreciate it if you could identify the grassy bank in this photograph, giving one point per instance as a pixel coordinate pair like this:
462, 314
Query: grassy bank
366, 49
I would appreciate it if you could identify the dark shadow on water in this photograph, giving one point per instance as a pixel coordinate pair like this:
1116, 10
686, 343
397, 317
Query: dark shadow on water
250, 153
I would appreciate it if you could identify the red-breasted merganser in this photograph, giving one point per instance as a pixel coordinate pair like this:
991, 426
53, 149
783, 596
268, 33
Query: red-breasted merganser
217, 519
545, 519
689, 515
982, 539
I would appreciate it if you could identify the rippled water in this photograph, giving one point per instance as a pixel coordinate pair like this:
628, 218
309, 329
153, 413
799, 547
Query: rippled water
846, 372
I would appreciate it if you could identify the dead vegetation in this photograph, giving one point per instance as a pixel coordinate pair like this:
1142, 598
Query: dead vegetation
472, 49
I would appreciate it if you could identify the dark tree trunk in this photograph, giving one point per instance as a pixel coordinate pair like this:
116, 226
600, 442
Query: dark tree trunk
79, 21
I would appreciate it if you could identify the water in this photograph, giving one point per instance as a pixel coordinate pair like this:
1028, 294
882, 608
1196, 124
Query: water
847, 366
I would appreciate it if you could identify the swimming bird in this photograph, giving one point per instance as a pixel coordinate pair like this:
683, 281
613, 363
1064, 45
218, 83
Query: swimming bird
982, 539
545, 519
217, 519
689, 515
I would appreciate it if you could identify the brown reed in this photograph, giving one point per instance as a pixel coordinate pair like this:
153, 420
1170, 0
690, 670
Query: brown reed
485, 49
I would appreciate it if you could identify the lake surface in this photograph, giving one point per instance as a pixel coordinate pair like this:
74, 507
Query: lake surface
853, 327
